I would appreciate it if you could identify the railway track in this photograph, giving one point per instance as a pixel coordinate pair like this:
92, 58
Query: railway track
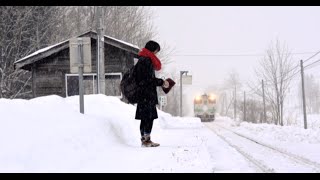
265, 157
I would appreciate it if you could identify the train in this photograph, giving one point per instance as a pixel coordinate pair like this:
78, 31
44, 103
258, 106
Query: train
205, 107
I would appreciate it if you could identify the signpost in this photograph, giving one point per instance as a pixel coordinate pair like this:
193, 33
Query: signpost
187, 79
184, 80
163, 101
80, 61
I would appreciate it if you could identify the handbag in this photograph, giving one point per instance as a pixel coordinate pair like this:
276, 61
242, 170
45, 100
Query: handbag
171, 84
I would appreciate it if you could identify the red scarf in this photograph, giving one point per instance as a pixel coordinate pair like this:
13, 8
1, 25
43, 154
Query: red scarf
155, 61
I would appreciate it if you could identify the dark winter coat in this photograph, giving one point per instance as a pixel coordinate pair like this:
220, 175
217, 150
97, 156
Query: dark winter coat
147, 91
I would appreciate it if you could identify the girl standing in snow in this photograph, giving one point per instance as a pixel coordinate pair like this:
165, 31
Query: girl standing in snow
147, 93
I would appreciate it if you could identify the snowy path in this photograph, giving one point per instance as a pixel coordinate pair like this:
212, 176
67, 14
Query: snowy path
280, 150
267, 158
191, 146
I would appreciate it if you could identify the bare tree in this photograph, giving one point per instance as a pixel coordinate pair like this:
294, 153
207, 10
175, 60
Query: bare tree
312, 93
231, 86
23, 30
43, 24
225, 102
253, 110
277, 70
73, 20
132, 24
129, 23
165, 55
221, 103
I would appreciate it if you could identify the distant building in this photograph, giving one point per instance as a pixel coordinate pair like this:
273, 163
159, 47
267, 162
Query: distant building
50, 67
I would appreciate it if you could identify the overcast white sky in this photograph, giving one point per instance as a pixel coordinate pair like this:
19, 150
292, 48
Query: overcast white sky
223, 30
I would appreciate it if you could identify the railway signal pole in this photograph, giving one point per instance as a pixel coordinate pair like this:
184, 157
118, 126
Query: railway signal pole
264, 104
181, 73
244, 106
235, 102
303, 96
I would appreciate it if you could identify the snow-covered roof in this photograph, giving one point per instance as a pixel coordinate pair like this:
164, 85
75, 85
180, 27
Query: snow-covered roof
60, 43
123, 42
120, 41
40, 51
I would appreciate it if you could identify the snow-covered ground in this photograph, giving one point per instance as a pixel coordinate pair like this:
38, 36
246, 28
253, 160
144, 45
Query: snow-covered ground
48, 134
293, 139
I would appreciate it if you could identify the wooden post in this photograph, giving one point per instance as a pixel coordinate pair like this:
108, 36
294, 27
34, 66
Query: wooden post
264, 104
244, 106
303, 97
235, 103
34, 87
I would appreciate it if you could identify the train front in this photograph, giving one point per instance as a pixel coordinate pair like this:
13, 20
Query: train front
205, 107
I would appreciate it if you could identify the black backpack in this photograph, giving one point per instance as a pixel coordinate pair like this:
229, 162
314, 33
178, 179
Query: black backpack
129, 87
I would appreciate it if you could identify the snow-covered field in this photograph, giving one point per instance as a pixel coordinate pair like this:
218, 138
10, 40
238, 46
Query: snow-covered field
293, 139
48, 134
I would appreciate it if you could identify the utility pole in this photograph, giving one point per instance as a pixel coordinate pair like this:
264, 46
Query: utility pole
303, 96
224, 97
81, 65
235, 102
181, 73
244, 106
264, 104
100, 53
80, 62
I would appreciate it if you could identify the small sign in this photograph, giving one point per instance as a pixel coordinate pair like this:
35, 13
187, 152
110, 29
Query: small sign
163, 100
74, 59
187, 79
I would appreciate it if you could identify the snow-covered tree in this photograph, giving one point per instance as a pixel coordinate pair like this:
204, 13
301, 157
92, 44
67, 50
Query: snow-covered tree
276, 68
312, 94
25, 29
22, 31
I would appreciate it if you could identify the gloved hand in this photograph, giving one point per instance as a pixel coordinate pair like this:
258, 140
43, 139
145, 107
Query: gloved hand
165, 84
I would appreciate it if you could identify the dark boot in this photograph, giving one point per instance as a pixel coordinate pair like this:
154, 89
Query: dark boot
146, 142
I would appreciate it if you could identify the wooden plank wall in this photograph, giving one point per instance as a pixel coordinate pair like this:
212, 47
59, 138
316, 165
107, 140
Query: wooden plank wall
49, 75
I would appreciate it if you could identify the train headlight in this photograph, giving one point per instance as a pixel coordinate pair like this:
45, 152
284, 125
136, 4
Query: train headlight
212, 97
198, 98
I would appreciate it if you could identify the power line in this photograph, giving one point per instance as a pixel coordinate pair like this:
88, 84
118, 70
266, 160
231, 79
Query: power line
294, 68
266, 81
300, 70
238, 54
292, 75
216, 55
312, 64
304, 66
254, 89
311, 57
